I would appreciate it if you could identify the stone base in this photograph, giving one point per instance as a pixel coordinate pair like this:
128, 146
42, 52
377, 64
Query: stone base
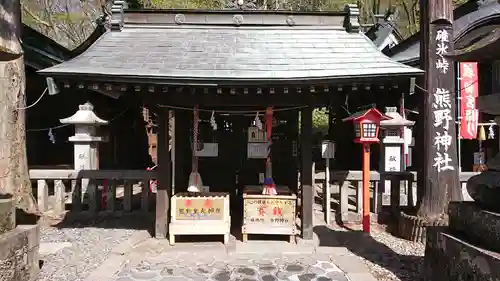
7, 213
448, 257
19, 260
480, 227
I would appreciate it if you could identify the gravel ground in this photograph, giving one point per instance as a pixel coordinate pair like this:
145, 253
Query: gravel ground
89, 248
388, 258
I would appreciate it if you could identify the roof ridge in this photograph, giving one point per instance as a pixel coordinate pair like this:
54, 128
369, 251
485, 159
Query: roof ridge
117, 19
351, 21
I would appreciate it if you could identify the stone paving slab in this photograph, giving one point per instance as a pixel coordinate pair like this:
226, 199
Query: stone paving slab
201, 267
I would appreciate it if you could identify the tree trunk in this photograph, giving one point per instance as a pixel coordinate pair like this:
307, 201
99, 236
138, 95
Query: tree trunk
439, 175
14, 174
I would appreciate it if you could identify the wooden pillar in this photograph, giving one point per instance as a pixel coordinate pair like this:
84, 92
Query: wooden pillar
439, 175
293, 139
306, 173
165, 176
181, 135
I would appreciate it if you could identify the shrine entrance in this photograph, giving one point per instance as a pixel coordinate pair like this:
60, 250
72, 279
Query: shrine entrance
233, 168
251, 62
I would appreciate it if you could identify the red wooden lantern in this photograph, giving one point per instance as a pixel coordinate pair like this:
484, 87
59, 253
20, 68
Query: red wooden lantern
367, 124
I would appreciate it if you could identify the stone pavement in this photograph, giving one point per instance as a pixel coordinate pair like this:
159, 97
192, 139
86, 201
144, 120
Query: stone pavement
149, 259
155, 260
237, 267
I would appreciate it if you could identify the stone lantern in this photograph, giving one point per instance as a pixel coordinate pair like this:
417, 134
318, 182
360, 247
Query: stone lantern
393, 140
85, 140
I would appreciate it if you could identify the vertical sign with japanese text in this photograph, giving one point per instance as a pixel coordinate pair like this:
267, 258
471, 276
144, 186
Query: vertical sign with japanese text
469, 91
393, 159
442, 98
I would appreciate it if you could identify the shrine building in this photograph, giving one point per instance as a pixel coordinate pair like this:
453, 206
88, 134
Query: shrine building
240, 86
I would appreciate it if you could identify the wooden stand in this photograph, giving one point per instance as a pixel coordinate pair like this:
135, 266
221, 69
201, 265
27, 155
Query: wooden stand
205, 213
268, 214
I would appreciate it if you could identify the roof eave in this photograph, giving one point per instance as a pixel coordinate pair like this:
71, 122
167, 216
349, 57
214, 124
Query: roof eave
221, 81
484, 50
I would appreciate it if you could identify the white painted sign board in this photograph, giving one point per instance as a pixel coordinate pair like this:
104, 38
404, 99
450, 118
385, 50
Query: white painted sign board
392, 159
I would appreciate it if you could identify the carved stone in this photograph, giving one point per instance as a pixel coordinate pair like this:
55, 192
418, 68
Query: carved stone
480, 226
468, 248
451, 257
485, 187
85, 138
242, 5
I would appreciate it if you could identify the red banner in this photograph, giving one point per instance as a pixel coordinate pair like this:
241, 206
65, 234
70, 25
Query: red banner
469, 90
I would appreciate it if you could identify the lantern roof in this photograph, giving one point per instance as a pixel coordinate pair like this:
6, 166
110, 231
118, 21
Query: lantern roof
84, 116
396, 119
371, 113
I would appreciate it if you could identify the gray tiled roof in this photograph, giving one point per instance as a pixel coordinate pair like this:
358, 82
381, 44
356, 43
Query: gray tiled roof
232, 53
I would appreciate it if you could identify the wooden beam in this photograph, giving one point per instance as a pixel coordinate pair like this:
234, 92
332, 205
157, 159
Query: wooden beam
306, 173
165, 171
213, 97
91, 174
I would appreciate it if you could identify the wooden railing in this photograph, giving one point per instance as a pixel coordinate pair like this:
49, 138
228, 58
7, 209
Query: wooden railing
347, 186
117, 190
92, 190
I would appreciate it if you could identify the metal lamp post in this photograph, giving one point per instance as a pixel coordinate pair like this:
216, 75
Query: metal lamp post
366, 124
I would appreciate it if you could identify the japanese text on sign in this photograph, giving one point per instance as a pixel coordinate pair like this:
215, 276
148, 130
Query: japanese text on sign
442, 107
199, 208
270, 211
393, 159
443, 42
468, 94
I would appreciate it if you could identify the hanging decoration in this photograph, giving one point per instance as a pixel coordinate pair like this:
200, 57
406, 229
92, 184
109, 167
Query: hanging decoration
481, 135
52, 137
469, 115
269, 186
212, 121
195, 183
491, 132
258, 123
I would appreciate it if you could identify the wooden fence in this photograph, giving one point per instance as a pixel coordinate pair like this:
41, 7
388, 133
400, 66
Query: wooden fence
347, 183
92, 190
116, 190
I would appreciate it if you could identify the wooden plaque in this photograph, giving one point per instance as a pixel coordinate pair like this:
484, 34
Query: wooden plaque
199, 208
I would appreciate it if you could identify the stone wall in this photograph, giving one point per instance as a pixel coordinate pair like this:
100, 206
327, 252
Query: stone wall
448, 257
18, 246
19, 259
466, 250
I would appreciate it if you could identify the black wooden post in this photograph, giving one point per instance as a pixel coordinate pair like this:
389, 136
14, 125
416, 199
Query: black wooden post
306, 173
181, 148
437, 108
165, 176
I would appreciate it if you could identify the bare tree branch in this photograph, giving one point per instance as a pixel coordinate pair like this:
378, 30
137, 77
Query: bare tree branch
33, 16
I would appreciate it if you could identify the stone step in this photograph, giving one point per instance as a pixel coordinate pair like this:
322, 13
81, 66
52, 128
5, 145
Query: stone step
7, 214
481, 227
449, 257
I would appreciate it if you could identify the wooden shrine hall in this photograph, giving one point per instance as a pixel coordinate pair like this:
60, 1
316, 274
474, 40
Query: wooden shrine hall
219, 74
